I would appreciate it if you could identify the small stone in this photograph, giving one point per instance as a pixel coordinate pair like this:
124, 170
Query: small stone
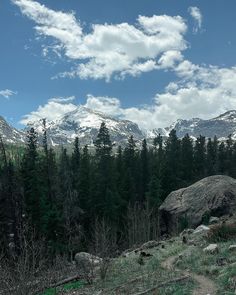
201, 229
191, 243
232, 248
211, 249
214, 220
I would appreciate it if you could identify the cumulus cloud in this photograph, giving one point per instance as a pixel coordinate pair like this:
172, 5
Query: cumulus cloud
196, 14
107, 105
7, 93
62, 99
203, 92
54, 109
109, 49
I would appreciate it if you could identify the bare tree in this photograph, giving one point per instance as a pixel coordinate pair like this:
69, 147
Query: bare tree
143, 224
105, 245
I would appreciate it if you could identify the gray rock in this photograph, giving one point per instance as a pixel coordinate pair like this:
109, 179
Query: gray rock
201, 229
214, 220
149, 245
86, 262
214, 195
232, 248
211, 249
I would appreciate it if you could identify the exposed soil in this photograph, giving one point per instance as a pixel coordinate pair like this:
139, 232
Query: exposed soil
205, 286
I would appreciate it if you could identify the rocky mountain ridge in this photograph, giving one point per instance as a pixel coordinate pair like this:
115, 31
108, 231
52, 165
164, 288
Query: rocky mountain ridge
220, 126
84, 123
10, 134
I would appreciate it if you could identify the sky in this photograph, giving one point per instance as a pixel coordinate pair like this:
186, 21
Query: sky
149, 61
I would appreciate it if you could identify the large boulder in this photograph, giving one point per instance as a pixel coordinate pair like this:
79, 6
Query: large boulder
86, 262
211, 196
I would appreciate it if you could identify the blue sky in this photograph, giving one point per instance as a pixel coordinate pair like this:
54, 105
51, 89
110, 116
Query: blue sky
148, 61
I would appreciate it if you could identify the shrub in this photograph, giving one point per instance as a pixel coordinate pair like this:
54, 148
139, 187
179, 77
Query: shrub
183, 223
222, 232
206, 218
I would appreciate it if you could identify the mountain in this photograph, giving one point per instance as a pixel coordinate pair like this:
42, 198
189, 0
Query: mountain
9, 134
85, 123
221, 126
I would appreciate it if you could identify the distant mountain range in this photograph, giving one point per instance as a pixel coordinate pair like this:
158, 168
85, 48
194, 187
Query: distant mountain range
221, 126
85, 124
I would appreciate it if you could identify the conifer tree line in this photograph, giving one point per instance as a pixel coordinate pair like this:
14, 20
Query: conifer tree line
60, 197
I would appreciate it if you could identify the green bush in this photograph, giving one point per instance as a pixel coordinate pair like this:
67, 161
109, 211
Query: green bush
183, 222
206, 218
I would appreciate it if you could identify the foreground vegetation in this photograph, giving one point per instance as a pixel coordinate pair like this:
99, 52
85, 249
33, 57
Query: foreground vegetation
55, 205
171, 267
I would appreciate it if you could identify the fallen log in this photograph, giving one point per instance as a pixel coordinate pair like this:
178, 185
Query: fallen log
60, 283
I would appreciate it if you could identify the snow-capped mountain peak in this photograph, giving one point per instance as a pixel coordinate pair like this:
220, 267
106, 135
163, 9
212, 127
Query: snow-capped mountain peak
85, 123
10, 134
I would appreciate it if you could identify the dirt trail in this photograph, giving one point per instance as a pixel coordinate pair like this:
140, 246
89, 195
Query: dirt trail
205, 285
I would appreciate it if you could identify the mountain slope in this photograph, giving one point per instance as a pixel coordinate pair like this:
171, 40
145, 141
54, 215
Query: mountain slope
9, 134
220, 126
85, 124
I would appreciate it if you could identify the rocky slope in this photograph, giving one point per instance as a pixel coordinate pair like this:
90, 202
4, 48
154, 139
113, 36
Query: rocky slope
85, 123
220, 126
9, 134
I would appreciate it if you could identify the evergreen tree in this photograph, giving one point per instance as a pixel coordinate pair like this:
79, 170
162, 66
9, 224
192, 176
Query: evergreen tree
186, 160
105, 193
229, 155
172, 165
85, 180
31, 181
10, 205
234, 160
130, 180
211, 157
199, 158
51, 212
144, 170
222, 158
75, 165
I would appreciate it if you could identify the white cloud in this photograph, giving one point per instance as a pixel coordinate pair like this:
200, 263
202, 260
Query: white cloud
54, 109
107, 105
117, 50
7, 93
169, 59
195, 12
109, 49
201, 91
62, 99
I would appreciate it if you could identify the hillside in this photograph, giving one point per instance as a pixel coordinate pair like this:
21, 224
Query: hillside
169, 267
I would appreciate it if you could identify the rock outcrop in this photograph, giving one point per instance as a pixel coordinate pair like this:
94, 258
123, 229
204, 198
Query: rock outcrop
86, 262
211, 196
